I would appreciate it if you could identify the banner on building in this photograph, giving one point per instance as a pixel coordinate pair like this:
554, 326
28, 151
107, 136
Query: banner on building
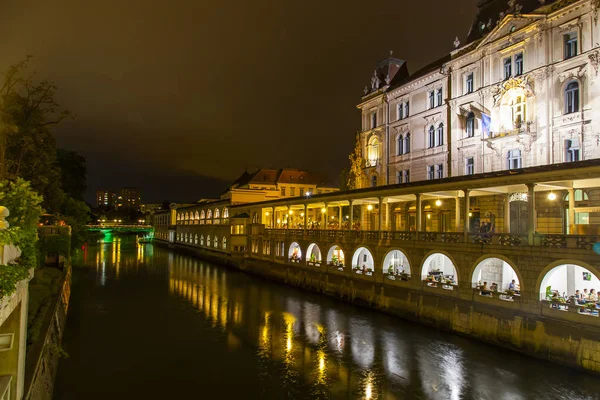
486, 123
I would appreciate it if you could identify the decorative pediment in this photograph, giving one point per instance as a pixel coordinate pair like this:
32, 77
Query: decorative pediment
523, 83
509, 25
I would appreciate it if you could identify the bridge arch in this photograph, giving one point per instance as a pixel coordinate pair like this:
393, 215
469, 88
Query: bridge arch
438, 262
295, 252
313, 255
336, 256
363, 261
566, 276
495, 268
396, 262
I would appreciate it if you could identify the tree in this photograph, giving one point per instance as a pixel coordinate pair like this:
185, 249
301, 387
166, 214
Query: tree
73, 173
356, 175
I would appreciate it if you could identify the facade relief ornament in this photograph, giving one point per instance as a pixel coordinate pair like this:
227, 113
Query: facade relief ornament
375, 81
595, 61
595, 7
523, 83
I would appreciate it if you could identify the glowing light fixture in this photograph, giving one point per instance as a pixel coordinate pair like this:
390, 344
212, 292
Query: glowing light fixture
370, 207
551, 196
291, 212
438, 202
302, 214
470, 214
323, 210
267, 214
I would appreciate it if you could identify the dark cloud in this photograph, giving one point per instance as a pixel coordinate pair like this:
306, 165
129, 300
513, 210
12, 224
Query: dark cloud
210, 87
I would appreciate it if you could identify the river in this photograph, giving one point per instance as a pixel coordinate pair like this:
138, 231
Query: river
147, 323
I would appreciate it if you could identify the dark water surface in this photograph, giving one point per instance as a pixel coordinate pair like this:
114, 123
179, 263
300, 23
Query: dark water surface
147, 323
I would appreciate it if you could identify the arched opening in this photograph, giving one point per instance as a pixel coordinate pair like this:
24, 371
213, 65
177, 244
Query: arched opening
224, 243
495, 277
295, 253
362, 262
373, 152
439, 271
225, 212
571, 285
202, 214
196, 239
313, 255
208, 242
396, 266
201, 240
335, 258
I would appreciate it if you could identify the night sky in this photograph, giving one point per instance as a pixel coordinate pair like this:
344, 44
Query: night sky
178, 97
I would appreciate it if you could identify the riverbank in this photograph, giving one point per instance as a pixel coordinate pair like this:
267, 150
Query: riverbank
562, 340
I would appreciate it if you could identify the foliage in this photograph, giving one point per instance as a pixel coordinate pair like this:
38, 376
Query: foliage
9, 276
73, 173
357, 164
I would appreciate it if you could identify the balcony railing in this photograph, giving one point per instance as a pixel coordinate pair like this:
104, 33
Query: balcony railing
550, 241
372, 162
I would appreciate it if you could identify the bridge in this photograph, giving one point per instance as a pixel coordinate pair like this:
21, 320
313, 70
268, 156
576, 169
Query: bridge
135, 228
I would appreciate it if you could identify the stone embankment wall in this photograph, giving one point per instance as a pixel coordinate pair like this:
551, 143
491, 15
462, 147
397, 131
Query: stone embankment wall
543, 332
42, 356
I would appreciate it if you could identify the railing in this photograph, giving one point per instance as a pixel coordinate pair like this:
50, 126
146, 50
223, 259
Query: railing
500, 295
550, 241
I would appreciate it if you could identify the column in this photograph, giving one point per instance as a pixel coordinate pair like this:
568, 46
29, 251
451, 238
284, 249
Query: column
305, 216
340, 217
380, 209
571, 226
531, 210
273, 218
457, 214
387, 216
466, 215
418, 207
351, 215
288, 216
507, 213
324, 219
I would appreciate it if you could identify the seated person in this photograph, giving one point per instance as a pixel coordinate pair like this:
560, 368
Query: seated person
511, 286
484, 290
494, 287
593, 297
578, 297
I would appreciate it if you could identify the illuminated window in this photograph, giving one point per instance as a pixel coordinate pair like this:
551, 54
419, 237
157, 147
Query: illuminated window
514, 159
282, 192
518, 111
571, 150
470, 125
373, 152
469, 166
202, 214
507, 68
201, 240
208, 242
570, 40
217, 213
470, 83
519, 64
226, 212
572, 98
209, 214
431, 137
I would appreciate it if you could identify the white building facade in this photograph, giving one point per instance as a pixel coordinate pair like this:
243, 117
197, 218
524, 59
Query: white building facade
521, 93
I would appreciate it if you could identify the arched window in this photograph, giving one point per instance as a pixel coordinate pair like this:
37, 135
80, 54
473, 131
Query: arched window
224, 243
470, 124
400, 145
439, 140
226, 212
217, 213
431, 137
202, 214
373, 152
518, 111
572, 97
407, 143
216, 242
197, 216
196, 239
187, 216
178, 216
208, 243
209, 214
201, 240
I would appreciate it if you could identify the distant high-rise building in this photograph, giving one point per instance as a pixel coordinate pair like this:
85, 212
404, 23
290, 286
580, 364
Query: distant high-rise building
129, 197
105, 198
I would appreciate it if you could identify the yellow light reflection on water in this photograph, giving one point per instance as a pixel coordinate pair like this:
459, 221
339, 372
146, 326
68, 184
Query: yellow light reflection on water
289, 321
369, 386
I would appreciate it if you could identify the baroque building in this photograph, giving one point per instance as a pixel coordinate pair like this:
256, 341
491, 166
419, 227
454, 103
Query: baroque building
519, 93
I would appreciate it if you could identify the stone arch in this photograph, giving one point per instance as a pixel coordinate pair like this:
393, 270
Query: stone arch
478, 266
436, 259
313, 255
363, 260
397, 258
336, 256
295, 252
545, 278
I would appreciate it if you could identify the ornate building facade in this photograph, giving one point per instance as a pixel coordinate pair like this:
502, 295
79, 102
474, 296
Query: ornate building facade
521, 92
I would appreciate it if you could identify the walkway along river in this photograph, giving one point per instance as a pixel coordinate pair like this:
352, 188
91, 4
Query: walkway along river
148, 323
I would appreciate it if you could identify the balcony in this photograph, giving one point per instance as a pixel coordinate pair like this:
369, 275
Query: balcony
372, 162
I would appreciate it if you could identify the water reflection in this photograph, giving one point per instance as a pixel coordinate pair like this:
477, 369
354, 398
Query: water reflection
293, 344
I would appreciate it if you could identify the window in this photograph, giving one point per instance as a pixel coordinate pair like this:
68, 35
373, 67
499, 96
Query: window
301, 192
570, 45
430, 172
224, 243
470, 83
399, 177
400, 145
440, 171
470, 124
373, 181
216, 242
208, 242
507, 68
373, 120
400, 111
571, 150
514, 159
406, 174
267, 247
572, 98
431, 137
407, 143
373, 152
292, 191
431, 99
439, 139
201, 240
282, 191
518, 111
469, 166
406, 109
519, 64
439, 96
